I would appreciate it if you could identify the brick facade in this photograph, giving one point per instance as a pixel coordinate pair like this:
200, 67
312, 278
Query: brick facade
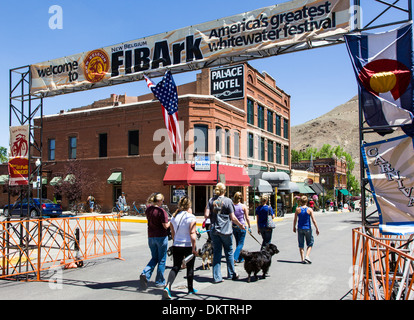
143, 173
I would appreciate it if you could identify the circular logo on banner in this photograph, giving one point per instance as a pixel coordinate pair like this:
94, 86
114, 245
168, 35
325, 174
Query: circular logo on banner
96, 65
386, 75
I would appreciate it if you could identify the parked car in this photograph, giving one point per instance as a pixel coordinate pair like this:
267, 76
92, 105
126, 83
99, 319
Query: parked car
49, 208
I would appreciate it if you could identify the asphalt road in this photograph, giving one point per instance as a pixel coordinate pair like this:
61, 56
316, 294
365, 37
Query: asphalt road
108, 278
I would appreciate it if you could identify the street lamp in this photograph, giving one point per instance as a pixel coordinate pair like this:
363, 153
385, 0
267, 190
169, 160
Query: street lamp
38, 163
217, 157
323, 194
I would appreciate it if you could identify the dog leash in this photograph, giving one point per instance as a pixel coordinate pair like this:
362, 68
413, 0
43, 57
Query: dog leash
254, 237
249, 232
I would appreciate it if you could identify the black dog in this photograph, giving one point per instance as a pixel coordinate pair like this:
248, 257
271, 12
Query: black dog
258, 260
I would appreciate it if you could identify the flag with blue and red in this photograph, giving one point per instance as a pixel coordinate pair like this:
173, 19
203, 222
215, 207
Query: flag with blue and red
166, 92
383, 65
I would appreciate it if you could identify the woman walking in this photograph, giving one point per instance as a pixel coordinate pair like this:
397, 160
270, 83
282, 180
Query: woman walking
157, 241
241, 213
262, 212
183, 230
303, 216
221, 213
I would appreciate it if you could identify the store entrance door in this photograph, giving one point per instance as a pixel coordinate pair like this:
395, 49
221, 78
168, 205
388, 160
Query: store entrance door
200, 200
117, 190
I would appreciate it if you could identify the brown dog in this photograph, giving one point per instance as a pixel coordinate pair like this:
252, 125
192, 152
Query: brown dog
206, 253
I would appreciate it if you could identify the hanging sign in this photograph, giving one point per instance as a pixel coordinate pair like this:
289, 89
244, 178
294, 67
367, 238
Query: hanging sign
202, 163
238, 38
19, 156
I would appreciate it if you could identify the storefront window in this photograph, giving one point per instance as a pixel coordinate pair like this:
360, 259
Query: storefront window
177, 192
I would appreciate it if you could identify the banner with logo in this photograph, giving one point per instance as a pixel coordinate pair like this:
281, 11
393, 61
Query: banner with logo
390, 171
255, 34
19, 155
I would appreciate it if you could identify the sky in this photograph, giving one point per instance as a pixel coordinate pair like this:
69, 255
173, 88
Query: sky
317, 80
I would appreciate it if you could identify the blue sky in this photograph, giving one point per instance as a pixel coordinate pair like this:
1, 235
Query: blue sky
317, 80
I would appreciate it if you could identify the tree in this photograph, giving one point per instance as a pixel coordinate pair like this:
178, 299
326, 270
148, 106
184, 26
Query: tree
3, 155
77, 182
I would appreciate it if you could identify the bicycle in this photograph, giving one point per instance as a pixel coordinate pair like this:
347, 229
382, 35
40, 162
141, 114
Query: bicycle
78, 208
117, 210
138, 212
97, 208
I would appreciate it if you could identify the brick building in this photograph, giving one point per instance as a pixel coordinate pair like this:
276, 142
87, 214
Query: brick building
122, 140
332, 170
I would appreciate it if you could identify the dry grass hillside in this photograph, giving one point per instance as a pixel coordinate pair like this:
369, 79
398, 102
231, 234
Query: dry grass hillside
338, 127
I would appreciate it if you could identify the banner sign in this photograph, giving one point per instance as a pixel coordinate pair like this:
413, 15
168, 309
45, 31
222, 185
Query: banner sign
19, 156
227, 83
242, 37
390, 171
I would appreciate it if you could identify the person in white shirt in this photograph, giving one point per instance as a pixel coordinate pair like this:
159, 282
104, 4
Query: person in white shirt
183, 230
122, 203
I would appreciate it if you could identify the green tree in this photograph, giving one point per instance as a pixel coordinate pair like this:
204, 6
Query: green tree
325, 152
3, 155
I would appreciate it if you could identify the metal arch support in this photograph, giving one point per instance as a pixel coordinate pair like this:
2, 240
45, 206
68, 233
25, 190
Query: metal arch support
22, 112
403, 7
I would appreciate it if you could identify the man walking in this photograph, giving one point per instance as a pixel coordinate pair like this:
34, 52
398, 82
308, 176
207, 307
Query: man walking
303, 216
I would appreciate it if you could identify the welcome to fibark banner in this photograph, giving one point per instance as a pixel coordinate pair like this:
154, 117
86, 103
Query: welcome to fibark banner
239, 38
390, 173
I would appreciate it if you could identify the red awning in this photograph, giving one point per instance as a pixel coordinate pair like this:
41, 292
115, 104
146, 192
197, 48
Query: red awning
184, 174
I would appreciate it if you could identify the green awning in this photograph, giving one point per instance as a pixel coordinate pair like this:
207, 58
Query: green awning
3, 179
70, 178
115, 178
304, 189
344, 192
44, 180
55, 181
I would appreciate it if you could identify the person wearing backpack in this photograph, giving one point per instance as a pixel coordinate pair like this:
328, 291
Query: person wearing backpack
263, 212
220, 210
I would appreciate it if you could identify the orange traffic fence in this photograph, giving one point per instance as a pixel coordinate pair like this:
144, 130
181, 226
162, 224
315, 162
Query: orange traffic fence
28, 248
383, 266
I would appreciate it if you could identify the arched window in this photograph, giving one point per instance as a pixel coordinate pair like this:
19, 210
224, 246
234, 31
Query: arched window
200, 139
218, 139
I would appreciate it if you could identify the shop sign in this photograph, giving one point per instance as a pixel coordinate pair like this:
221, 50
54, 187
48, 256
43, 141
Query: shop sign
202, 163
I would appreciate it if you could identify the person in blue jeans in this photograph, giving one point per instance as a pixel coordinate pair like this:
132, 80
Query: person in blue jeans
262, 212
303, 217
241, 213
158, 224
220, 210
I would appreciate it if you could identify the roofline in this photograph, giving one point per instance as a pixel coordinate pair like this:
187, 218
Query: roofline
66, 113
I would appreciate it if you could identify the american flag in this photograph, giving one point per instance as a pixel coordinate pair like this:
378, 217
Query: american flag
166, 92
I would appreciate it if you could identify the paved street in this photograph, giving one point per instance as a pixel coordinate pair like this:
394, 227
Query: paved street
327, 278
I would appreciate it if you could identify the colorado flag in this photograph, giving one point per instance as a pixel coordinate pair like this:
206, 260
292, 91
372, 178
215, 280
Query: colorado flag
383, 64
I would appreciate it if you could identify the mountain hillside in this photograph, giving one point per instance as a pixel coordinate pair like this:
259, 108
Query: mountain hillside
338, 127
